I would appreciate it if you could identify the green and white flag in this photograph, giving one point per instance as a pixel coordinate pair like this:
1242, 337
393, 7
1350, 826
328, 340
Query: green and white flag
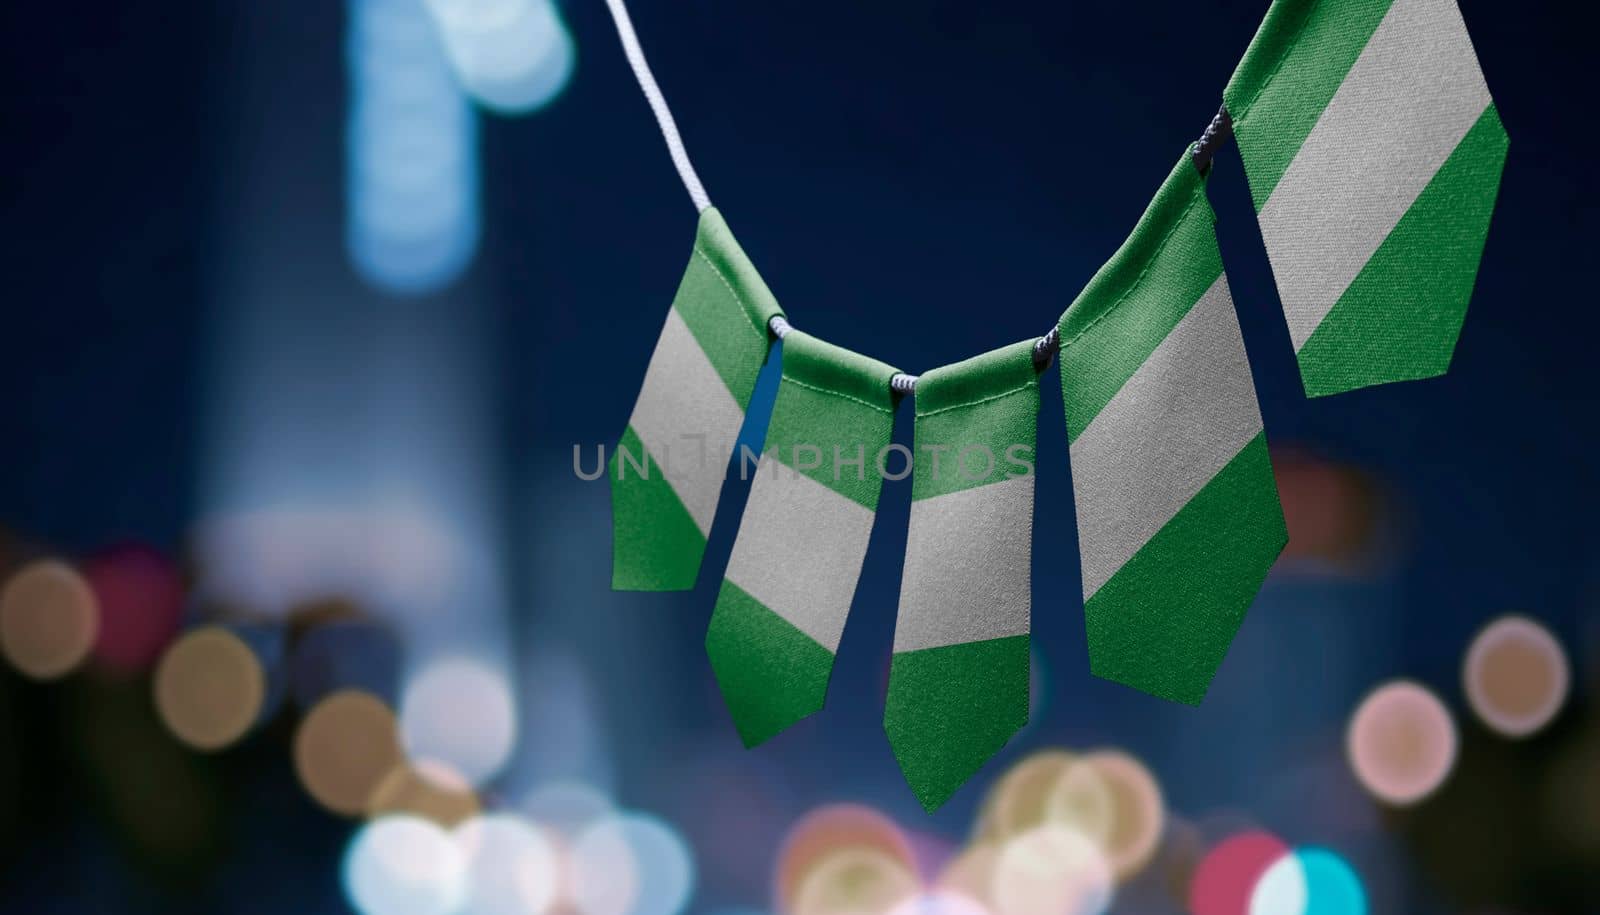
1374, 152
792, 575
1178, 515
667, 472
958, 684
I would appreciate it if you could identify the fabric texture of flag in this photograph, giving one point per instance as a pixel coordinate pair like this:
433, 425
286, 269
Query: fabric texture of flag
1373, 152
667, 472
958, 683
802, 540
1178, 514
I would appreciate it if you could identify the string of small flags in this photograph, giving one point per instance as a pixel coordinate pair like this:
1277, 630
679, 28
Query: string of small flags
1373, 152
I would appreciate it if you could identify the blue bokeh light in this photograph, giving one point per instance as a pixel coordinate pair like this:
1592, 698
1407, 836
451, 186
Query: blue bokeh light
413, 209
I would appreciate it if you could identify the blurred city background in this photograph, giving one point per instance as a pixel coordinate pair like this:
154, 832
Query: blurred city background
305, 610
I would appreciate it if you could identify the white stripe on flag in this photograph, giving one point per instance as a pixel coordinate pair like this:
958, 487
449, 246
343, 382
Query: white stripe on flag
799, 550
1187, 411
683, 396
966, 576
1405, 105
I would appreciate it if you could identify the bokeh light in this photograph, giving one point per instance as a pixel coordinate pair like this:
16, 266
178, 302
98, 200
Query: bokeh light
940, 902
1081, 800
141, 595
344, 748
855, 881
602, 876
412, 152
1051, 870
427, 788
828, 829
1332, 886
48, 619
1282, 889
971, 873
210, 688
512, 868
1020, 800
400, 865
1401, 743
1227, 876
512, 56
460, 712
1516, 676
1309, 881
631, 864
1135, 813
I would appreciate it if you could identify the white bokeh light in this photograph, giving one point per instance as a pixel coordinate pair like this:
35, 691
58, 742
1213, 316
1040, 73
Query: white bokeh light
512, 869
404, 865
1051, 870
633, 864
460, 712
1282, 889
940, 902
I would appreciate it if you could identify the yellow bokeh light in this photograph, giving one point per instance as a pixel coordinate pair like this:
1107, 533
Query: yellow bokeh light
1120, 807
210, 688
344, 748
49, 619
855, 881
1020, 800
830, 829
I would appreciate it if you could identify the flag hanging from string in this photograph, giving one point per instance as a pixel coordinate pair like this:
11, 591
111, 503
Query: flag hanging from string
802, 540
1373, 152
1178, 515
667, 472
958, 683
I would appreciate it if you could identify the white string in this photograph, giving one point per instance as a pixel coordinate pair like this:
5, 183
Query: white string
1046, 347
658, 104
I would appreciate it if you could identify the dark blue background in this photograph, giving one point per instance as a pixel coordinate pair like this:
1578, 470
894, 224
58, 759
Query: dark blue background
920, 181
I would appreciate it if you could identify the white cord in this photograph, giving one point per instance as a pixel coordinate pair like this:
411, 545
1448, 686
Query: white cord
658, 104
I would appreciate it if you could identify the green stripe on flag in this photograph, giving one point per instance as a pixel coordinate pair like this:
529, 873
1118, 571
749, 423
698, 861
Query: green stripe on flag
687, 416
1163, 623
726, 305
1374, 159
1429, 262
958, 685
771, 674
1178, 515
831, 398
803, 538
949, 709
663, 552
1168, 262
1301, 53
976, 447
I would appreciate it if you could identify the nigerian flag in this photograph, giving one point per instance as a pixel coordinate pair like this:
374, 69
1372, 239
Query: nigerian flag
667, 472
958, 684
803, 537
1178, 515
1373, 152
